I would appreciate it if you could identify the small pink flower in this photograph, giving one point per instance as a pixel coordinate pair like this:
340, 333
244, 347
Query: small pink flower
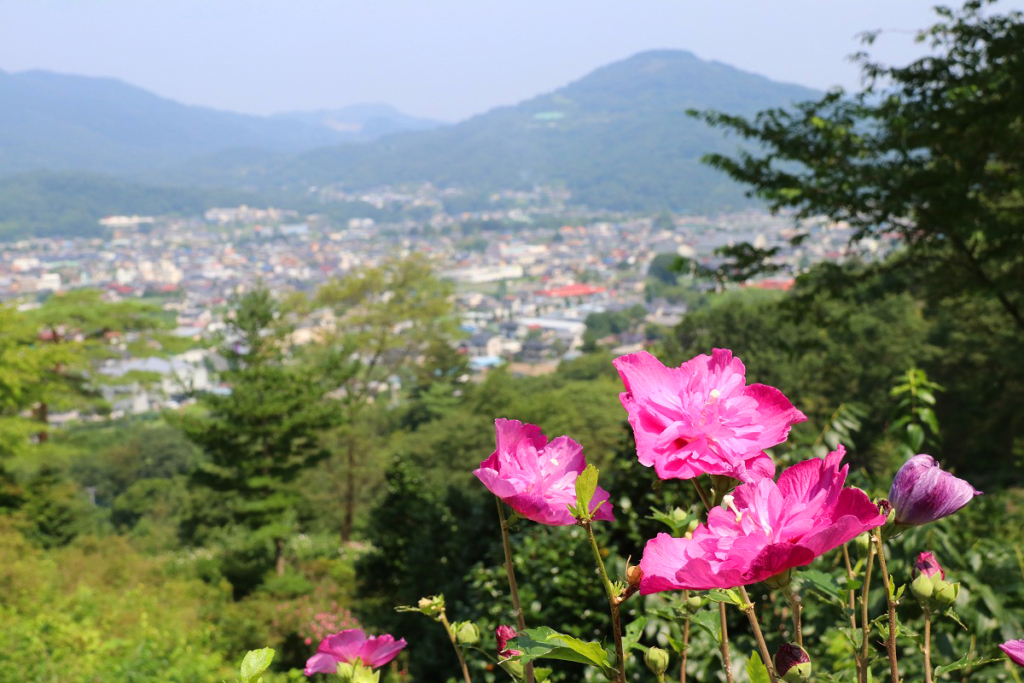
928, 565
702, 417
348, 646
536, 478
769, 529
308, 641
1014, 649
503, 634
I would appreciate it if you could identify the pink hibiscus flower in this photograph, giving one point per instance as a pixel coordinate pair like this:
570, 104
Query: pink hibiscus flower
702, 417
536, 478
769, 529
1014, 649
348, 646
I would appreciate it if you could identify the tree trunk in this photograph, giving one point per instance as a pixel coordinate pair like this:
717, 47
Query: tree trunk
279, 565
43, 416
350, 489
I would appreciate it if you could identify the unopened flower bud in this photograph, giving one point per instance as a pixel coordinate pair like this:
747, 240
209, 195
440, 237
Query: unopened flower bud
927, 564
467, 633
863, 543
793, 664
514, 668
923, 492
694, 603
657, 661
432, 605
922, 588
945, 593
690, 528
633, 576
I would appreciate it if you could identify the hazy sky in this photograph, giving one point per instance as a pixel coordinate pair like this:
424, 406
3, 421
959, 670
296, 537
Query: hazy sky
445, 59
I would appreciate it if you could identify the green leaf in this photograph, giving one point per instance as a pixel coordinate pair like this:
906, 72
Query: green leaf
730, 597
822, 583
255, 663
586, 486
710, 623
915, 436
543, 642
963, 663
756, 670
634, 630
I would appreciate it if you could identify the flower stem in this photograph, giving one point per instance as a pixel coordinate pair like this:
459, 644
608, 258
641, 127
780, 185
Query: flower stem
927, 646
865, 622
890, 642
686, 646
702, 493
748, 609
797, 607
513, 589
853, 612
723, 645
443, 618
613, 603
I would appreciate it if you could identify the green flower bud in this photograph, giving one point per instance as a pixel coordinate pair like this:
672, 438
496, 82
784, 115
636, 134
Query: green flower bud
467, 633
657, 660
945, 593
863, 543
514, 669
431, 606
923, 587
693, 604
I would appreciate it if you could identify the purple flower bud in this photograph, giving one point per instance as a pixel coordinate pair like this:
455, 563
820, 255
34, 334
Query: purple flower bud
923, 492
792, 663
1014, 649
928, 565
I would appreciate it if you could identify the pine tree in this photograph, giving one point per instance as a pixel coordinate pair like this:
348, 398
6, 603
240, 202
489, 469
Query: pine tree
257, 437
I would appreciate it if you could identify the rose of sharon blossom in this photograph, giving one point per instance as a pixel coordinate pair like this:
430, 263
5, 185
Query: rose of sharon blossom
923, 492
1014, 649
348, 646
536, 478
702, 417
503, 634
769, 529
928, 565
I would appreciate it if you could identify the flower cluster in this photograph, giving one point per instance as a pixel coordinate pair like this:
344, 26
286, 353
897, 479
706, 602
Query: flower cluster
701, 418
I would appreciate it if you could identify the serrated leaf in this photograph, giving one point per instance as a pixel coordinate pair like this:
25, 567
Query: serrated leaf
586, 487
255, 663
544, 642
756, 670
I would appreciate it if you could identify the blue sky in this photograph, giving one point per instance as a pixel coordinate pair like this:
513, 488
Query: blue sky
446, 59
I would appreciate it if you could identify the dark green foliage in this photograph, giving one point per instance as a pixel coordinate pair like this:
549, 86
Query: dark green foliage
930, 153
257, 440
